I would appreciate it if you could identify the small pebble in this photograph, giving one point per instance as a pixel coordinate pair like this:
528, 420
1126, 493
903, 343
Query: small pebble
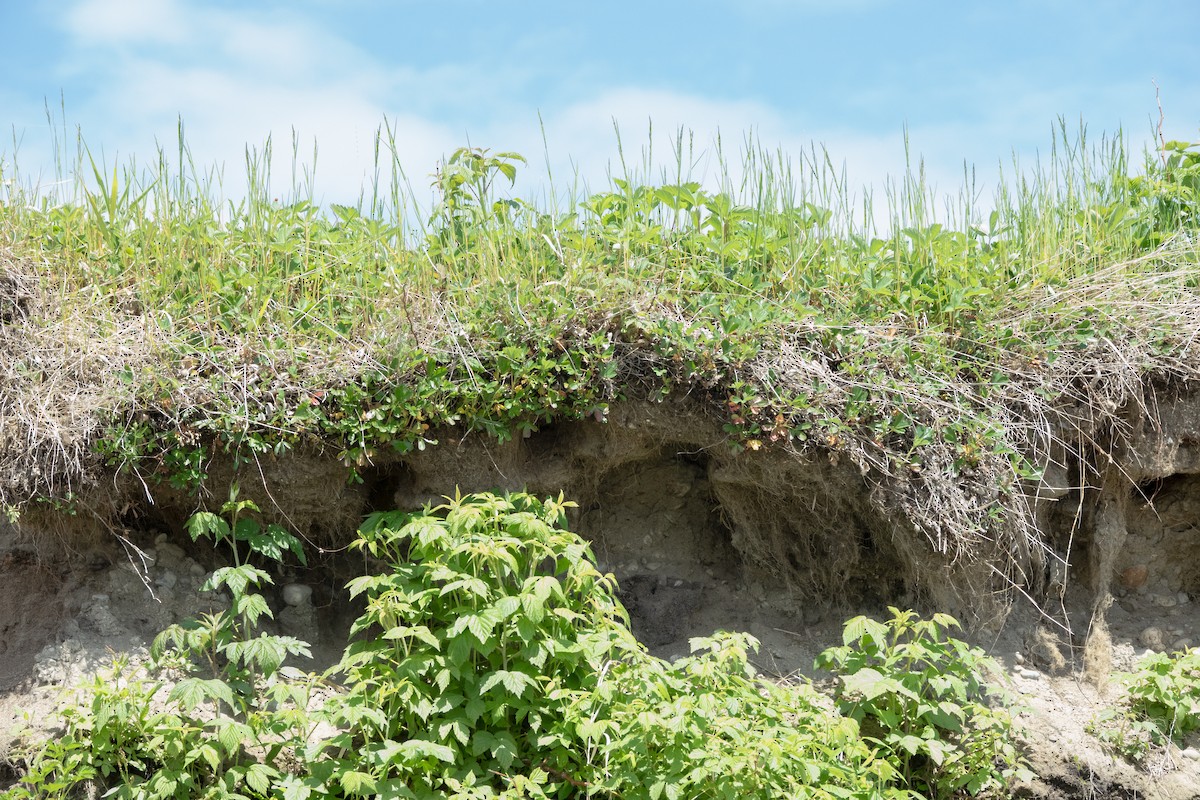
1135, 577
1018, 658
1192, 753
1030, 674
297, 594
1165, 600
1181, 645
1152, 638
1183, 598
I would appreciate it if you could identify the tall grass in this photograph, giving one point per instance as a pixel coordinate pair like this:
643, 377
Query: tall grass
785, 232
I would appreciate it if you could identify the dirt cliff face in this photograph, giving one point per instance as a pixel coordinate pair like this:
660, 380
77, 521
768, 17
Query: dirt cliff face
779, 543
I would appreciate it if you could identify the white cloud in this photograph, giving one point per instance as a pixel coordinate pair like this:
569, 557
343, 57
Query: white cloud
116, 22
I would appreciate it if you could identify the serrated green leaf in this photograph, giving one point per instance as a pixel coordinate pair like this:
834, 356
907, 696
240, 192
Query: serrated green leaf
870, 683
259, 777
231, 734
504, 749
355, 782
252, 607
296, 788
205, 523
427, 749
191, 692
911, 744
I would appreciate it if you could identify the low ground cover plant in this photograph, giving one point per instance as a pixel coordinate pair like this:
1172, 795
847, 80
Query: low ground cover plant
928, 701
494, 660
1161, 705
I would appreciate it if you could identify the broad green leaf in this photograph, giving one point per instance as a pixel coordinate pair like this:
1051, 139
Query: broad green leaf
252, 607
232, 734
427, 749
236, 578
870, 683
191, 692
911, 744
938, 750
504, 749
295, 788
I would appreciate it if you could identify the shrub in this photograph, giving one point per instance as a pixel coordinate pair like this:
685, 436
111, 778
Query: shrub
494, 659
487, 620
1162, 704
921, 695
228, 727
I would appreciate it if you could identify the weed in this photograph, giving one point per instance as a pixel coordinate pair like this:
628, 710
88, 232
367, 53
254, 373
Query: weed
225, 725
1161, 705
923, 697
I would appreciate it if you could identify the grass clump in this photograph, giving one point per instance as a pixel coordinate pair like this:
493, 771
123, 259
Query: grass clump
493, 660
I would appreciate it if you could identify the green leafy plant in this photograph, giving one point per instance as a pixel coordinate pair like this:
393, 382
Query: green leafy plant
922, 696
709, 726
225, 725
494, 658
1161, 705
465, 210
489, 618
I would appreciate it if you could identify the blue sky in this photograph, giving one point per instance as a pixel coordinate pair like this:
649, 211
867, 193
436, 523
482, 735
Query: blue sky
968, 81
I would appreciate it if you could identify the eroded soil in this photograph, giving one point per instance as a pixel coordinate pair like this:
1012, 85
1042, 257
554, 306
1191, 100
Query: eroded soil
784, 548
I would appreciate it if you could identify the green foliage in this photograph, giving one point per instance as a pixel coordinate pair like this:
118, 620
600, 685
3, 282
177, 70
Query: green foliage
465, 213
708, 726
492, 660
226, 725
488, 620
272, 542
1165, 201
494, 316
922, 695
1161, 704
